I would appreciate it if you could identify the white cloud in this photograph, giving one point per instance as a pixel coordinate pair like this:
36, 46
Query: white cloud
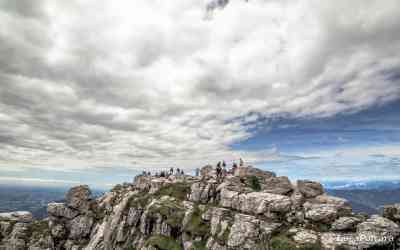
156, 83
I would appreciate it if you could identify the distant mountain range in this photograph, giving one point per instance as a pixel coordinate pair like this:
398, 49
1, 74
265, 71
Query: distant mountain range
362, 185
32, 199
367, 197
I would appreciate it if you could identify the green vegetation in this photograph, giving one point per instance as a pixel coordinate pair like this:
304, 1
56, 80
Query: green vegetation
171, 210
130, 248
178, 190
199, 245
253, 183
38, 229
163, 243
196, 226
283, 243
139, 200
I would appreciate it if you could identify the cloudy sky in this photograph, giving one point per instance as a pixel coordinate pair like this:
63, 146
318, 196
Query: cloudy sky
96, 91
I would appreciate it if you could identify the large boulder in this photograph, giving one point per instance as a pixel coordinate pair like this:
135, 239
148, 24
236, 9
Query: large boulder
246, 233
228, 198
392, 212
310, 189
261, 203
336, 240
142, 182
221, 221
342, 205
203, 191
277, 185
326, 208
346, 223
251, 171
80, 227
325, 213
18, 216
303, 236
379, 226
79, 197
61, 210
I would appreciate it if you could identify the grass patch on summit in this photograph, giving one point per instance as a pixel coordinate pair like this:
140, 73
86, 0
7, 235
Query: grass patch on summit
178, 190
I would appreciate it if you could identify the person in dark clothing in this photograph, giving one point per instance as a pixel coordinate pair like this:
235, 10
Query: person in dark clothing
171, 171
219, 164
182, 173
234, 167
241, 163
162, 174
223, 164
219, 172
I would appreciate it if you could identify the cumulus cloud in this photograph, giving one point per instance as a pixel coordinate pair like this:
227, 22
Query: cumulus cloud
160, 83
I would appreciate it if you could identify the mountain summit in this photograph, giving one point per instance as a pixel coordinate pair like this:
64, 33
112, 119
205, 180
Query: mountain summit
246, 209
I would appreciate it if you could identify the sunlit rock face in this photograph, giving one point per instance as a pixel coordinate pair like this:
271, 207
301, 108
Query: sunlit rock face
245, 209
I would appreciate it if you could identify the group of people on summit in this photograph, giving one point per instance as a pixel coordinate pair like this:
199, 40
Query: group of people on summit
172, 172
221, 171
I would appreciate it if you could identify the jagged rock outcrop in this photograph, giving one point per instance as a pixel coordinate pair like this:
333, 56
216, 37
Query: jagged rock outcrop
250, 209
392, 212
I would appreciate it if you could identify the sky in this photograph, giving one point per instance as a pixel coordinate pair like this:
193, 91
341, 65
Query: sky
97, 91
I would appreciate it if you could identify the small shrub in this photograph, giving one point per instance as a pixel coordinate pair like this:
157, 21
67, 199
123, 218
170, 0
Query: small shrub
139, 200
282, 243
163, 243
196, 226
199, 245
254, 183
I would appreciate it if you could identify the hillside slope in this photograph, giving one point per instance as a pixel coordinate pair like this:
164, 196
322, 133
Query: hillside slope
250, 209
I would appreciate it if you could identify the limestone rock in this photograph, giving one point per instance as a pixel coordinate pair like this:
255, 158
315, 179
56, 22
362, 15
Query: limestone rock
155, 185
251, 171
244, 232
325, 213
310, 189
228, 198
379, 226
260, 203
79, 197
202, 192
345, 223
392, 212
61, 210
303, 236
80, 227
332, 240
18, 216
277, 185
221, 220
57, 230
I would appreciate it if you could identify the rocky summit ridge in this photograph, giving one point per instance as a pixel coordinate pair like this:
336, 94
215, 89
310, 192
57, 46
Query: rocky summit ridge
249, 209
